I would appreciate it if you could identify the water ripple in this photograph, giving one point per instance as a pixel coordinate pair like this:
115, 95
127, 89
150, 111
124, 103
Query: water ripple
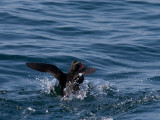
118, 38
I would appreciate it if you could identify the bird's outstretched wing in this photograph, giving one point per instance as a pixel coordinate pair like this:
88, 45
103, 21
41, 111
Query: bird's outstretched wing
43, 67
87, 70
84, 71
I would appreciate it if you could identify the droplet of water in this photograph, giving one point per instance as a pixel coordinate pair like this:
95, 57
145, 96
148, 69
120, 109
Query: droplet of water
31, 109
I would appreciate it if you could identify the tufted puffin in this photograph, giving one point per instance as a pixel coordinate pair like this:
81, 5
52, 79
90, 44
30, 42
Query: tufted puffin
70, 81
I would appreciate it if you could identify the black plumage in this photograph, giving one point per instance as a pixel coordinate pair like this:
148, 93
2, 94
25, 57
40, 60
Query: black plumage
70, 80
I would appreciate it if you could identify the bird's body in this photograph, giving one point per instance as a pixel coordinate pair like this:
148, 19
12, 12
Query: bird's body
70, 81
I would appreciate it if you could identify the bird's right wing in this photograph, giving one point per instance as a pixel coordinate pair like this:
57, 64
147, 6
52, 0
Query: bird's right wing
84, 71
87, 70
43, 67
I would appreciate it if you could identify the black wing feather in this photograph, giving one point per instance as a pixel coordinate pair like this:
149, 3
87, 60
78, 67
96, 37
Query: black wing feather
87, 70
43, 67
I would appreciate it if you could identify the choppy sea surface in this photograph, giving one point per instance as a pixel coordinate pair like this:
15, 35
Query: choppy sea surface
120, 38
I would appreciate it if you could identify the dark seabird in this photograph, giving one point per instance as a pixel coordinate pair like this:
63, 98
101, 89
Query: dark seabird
70, 81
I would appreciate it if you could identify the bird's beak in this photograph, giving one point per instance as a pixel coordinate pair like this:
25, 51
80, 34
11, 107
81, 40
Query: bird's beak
82, 66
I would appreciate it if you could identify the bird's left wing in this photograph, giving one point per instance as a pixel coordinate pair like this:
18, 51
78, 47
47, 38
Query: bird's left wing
43, 67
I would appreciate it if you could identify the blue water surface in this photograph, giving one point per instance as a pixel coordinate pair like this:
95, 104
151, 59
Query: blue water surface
120, 38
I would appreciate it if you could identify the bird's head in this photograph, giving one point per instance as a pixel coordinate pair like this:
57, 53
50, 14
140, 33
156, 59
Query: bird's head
75, 66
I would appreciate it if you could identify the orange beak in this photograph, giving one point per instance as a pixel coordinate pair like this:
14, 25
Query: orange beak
82, 65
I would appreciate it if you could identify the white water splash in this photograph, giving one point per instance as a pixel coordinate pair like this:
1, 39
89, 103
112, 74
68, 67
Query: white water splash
104, 118
46, 84
81, 94
31, 109
93, 87
99, 87
47, 111
27, 112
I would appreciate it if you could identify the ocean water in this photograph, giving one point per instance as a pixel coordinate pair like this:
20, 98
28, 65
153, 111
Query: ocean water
120, 38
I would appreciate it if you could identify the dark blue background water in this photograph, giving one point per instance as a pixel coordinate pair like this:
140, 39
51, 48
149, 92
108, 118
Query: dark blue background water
120, 38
